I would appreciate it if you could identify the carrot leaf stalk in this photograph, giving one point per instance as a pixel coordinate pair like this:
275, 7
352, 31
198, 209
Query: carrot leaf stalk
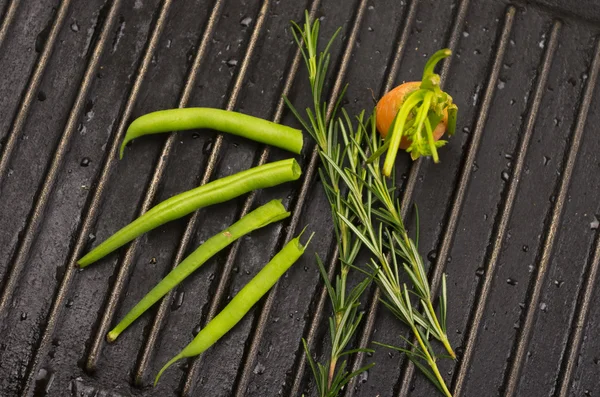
425, 107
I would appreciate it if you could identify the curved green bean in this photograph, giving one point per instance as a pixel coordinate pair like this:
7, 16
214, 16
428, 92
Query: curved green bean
241, 303
235, 123
267, 175
271, 212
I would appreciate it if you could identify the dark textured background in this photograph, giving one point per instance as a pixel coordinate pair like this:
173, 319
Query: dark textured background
509, 213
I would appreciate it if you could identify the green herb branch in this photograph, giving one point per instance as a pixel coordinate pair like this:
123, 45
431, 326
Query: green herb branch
365, 213
333, 375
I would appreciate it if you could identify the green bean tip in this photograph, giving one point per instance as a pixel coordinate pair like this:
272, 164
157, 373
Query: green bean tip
112, 336
296, 170
166, 366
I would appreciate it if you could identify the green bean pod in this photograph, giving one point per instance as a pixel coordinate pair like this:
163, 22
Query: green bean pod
235, 123
271, 212
241, 303
224, 189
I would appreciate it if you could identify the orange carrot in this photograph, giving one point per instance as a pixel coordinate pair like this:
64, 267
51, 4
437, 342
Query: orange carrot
415, 115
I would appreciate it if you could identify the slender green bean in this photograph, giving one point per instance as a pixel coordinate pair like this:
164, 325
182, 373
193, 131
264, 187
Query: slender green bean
271, 212
235, 123
241, 303
267, 175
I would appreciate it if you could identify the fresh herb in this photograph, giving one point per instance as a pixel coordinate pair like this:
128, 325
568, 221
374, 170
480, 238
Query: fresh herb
365, 213
333, 375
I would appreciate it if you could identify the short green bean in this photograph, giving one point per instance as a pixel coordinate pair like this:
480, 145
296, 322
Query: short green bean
271, 212
241, 303
235, 123
267, 175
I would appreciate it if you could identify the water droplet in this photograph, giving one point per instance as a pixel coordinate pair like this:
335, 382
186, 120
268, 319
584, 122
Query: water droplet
91, 237
584, 76
432, 256
556, 121
501, 84
587, 393
197, 329
596, 360
476, 52
41, 96
449, 259
232, 63
259, 369
247, 272
522, 305
153, 261
525, 248
558, 283
541, 44
69, 303
178, 300
371, 8
466, 130
207, 146
543, 307
552, 198
546, 160
465, 34
516, 325
246, 21
23, 316
508, 156
75, 27
512, 102
40, 39
275, 319
505, 176
370, 29
480, 271
211, 277
595, 223
511, 281
363, 377
85, 162
305, 268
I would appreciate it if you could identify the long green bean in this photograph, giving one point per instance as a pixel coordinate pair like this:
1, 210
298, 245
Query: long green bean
241, 303
267, 175
235, 123
271, 212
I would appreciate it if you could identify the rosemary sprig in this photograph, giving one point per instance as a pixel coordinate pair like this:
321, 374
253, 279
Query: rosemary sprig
383, 233
332, 376
365, 213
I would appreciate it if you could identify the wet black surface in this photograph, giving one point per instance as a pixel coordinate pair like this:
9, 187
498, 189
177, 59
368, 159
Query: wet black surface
52, 210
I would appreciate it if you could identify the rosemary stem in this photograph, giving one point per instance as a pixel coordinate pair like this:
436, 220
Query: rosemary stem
444, 337
431, 362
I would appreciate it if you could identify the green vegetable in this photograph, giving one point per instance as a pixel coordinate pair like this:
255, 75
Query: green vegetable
234, 123
241, 303
271, 212
218, 191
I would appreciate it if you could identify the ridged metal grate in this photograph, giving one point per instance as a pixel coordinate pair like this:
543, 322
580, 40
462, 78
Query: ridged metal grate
93, 66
